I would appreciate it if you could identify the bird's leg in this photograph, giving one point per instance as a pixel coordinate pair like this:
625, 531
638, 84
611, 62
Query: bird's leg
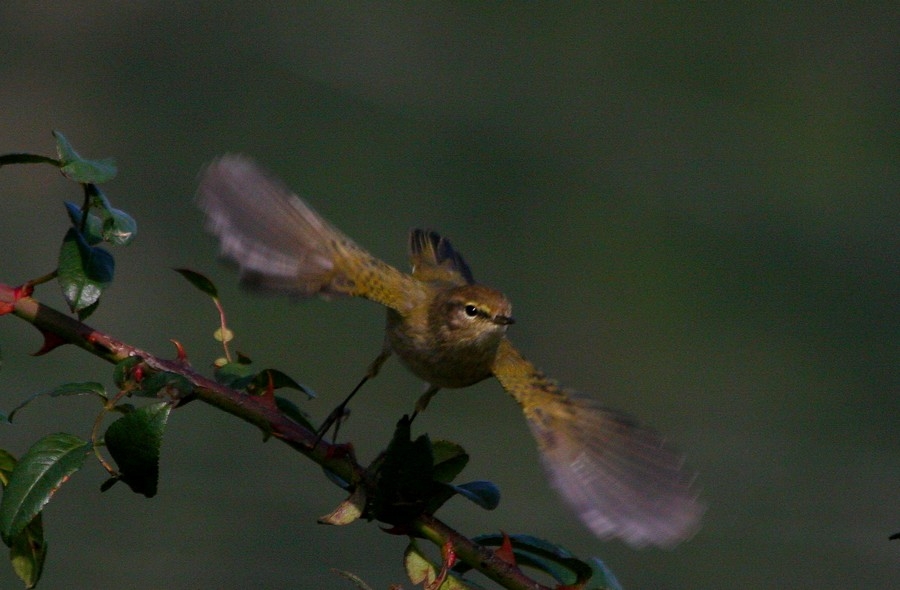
340, 411
422, 402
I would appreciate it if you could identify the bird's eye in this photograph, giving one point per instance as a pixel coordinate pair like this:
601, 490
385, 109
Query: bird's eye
471, 310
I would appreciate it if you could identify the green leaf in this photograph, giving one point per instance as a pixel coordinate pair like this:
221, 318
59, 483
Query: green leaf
404, 484
347, 511
119, 228
79, 169
542, 555
123, 374
199, 281
290, 409
449, 460
603, 578
134, 441
260, 382
236, 375
164, 384
93, 228
97, 198
420, 570
67, 389
7, 464
28, 552
36, 477
483, 493
84, 272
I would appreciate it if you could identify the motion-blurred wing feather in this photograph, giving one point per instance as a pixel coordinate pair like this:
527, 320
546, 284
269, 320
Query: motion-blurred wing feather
621, 479
281, 244
277, 241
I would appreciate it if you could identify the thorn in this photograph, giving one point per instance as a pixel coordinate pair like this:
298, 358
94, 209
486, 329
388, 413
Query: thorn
51, 342
448, 553
179, 349
448, 557
505, 550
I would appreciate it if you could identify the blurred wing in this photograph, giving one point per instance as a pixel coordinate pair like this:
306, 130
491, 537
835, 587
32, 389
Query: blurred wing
281, 244
434, 259
621, 479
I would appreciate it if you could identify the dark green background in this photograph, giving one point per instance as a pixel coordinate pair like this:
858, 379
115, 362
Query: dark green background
694, 209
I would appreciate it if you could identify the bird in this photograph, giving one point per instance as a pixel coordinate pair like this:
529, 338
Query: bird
622, 480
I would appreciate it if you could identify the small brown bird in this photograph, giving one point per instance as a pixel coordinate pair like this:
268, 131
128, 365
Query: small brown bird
620, 478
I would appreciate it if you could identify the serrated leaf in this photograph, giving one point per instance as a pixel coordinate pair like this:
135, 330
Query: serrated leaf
93, 227
449, 460
134, 441
84, 272
483, 493
79, 169
67, 389
79, 388
199, 281
28, 552
38, 474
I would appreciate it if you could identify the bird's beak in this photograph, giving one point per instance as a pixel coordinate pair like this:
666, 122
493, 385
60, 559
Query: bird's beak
503, 320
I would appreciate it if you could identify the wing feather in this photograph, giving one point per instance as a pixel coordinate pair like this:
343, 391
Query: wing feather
434, 259
281, 244
622, 479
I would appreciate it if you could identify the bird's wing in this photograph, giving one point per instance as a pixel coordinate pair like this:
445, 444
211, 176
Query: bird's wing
434, 259
621, 479
281, 244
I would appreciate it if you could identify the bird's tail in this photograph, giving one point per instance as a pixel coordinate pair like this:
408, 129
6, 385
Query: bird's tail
621, 479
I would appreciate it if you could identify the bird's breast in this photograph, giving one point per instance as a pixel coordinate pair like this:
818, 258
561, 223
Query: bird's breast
440, 361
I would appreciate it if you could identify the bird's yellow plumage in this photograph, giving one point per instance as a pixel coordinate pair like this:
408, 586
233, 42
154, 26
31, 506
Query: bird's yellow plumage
621, 479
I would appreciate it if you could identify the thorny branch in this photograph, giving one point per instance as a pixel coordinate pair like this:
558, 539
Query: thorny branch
59, 328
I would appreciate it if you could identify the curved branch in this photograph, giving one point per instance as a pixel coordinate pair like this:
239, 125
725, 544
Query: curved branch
63, 329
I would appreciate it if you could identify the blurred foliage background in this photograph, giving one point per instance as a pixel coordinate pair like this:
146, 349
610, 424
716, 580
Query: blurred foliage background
693, 207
